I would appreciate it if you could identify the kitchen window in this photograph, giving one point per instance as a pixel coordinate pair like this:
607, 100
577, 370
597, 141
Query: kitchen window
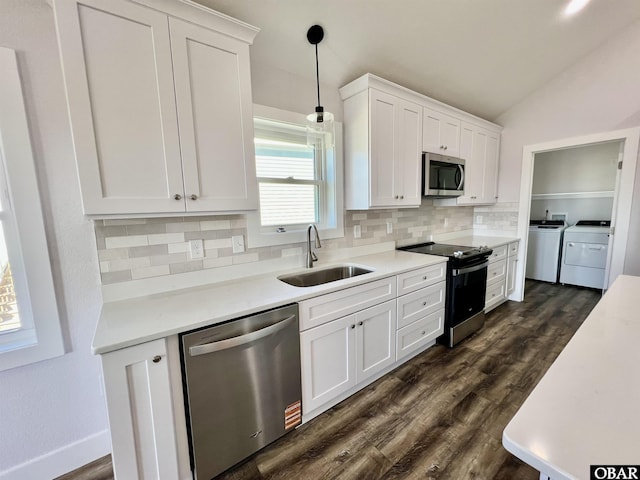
299, 180
29, 323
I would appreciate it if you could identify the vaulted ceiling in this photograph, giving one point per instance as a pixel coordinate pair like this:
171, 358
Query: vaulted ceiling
482, 56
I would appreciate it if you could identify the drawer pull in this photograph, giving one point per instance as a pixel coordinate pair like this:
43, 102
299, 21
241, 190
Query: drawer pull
424, 304
353, 326
424, 278
157, 359
360, 323
424, 333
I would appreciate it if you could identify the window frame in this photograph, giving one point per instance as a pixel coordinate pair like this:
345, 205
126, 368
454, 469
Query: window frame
33, 279
330, 200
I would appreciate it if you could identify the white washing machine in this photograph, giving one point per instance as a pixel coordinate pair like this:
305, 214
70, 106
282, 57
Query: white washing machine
584, 253
543, 250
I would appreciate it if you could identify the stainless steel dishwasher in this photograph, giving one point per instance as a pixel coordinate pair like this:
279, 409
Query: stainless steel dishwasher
242, 387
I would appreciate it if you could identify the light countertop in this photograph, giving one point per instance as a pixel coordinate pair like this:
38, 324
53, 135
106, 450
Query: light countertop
481, 240
129, 322
585, 409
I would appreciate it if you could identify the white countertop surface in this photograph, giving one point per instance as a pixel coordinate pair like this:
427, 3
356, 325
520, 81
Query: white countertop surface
129, 322
480, 240
586, 409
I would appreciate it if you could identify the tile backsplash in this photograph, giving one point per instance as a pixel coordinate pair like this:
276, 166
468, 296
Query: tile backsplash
132, 249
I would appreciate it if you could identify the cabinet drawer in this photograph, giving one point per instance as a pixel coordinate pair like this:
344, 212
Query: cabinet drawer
498, 253
323, 309
420, 332
423, 277
513, 249
496, 272
416, 305
495, 295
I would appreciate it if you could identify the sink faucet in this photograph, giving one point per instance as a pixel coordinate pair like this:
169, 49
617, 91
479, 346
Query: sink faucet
311, 256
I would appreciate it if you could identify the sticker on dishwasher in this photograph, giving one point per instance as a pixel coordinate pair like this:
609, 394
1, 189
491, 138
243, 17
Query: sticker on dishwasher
292, 415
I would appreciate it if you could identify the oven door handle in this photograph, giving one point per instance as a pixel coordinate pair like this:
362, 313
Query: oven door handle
227, 343
461, 271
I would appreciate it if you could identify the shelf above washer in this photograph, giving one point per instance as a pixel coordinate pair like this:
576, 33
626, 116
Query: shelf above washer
572, 195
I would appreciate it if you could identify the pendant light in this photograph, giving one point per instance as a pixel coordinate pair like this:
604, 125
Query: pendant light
319, 123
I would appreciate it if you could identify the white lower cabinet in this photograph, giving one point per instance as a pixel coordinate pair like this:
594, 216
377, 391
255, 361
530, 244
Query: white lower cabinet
501, 274
141, 413
419, 333
342, 353
512, 265
328, 361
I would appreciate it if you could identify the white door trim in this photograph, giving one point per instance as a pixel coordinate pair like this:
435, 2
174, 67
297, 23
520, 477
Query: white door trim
622, 216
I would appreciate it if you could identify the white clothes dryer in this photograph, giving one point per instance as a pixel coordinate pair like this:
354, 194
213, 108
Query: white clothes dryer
584, 253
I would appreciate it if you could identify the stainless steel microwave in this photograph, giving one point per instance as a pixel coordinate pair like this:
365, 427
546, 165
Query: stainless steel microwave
442, 176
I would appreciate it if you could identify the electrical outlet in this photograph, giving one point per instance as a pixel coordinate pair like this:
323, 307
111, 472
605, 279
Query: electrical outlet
357, 231
478, 218
238, 243
389, 227
196, 249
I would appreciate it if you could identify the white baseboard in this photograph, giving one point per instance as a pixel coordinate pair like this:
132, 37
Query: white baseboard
63, 460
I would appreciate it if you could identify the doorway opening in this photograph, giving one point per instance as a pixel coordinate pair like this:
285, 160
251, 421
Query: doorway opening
619, 201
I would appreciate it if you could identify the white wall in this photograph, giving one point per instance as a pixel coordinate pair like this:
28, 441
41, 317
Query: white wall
597, 94
575, 209
52, 405
276, 88
581, 169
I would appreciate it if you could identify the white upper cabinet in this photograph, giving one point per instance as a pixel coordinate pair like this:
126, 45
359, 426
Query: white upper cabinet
387, 127
160, 108
440, 133
479, 148
213, 94
383, 147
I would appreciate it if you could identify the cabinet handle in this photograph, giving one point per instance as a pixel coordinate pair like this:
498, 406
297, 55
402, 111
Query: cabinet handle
157, 359
396, 197
360, 323
445, 147
401, 197
353, 326
193, 196
177, 196
424, 333
441, 147
424, 278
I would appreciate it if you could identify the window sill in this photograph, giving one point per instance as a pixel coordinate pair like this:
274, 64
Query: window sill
257, 238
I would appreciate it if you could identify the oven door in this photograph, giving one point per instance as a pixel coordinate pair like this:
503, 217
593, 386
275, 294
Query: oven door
468, 286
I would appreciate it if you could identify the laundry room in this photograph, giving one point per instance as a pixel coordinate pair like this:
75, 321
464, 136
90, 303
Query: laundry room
572, 206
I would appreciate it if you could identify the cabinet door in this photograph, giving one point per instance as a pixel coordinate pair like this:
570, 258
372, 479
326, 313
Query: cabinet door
409, 155
328, 361
213, 94
512, 264
139, 405
480, 149
116, 59
473, 167
375, 339
490, 184
440, 133
382, 137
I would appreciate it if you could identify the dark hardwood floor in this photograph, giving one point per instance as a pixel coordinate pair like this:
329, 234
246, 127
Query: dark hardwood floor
439, 416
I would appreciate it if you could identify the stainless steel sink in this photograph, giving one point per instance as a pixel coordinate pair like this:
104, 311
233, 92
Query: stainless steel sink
319, 277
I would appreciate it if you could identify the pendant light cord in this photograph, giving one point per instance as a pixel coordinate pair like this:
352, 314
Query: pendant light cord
317, 75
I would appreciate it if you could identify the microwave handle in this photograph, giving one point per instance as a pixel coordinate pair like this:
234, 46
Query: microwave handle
461, 184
